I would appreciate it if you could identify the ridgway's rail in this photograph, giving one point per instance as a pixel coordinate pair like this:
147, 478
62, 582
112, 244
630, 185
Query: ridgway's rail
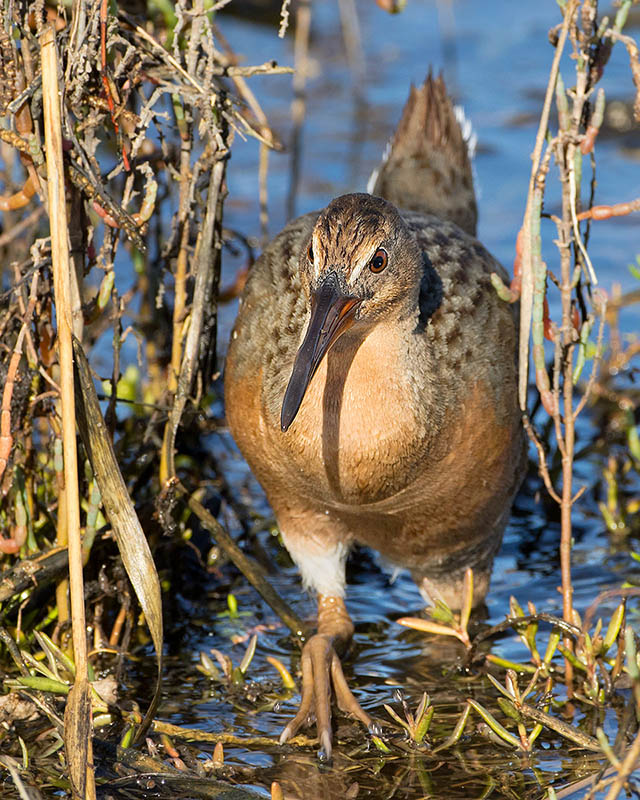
370, 384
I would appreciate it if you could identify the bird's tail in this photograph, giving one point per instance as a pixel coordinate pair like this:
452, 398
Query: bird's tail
427, 166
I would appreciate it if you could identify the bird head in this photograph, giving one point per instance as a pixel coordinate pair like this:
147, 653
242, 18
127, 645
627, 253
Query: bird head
361, 264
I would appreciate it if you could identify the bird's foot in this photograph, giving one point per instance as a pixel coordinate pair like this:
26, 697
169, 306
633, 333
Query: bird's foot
321, 669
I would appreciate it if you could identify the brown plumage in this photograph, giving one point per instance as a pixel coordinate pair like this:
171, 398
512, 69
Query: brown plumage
370, 384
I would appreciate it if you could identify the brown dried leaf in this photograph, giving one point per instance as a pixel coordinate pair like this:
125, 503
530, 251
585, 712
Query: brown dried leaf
77, 737
132, 543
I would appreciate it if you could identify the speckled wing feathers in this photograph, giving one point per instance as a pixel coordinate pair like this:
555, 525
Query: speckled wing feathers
409, 438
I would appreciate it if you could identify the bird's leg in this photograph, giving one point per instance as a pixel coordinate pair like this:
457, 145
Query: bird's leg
321, 667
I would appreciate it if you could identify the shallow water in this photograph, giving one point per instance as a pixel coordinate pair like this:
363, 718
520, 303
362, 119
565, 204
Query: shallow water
497, 61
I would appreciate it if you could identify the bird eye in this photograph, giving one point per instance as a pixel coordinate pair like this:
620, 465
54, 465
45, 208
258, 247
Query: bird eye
310, 253
379, 260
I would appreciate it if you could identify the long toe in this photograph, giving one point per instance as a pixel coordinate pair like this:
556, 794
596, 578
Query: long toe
321, 651
344, 696
321, 668
306, 700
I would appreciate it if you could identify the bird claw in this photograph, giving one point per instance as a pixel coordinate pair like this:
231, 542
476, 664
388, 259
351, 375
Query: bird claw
321, 669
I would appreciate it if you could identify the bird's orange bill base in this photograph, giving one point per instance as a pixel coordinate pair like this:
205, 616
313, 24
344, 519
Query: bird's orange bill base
332, 314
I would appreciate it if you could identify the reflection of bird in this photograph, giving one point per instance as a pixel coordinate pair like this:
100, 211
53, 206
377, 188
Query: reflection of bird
370, 384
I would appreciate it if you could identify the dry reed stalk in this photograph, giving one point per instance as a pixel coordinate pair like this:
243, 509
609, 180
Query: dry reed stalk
182, 262
78, 713
626, 768
299, 104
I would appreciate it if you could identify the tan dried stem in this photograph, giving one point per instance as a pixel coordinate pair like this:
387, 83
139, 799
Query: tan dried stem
299, 104
182, 262
83, 783
627, 767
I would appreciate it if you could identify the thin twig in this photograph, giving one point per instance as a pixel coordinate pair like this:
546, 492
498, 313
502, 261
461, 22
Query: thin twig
626, 768
543, 469
607, 594
196, 735
557, 725
526, 302
596, 362
250, 569
516, 622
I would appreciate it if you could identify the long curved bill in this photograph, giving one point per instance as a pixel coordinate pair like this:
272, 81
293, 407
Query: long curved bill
331, 315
